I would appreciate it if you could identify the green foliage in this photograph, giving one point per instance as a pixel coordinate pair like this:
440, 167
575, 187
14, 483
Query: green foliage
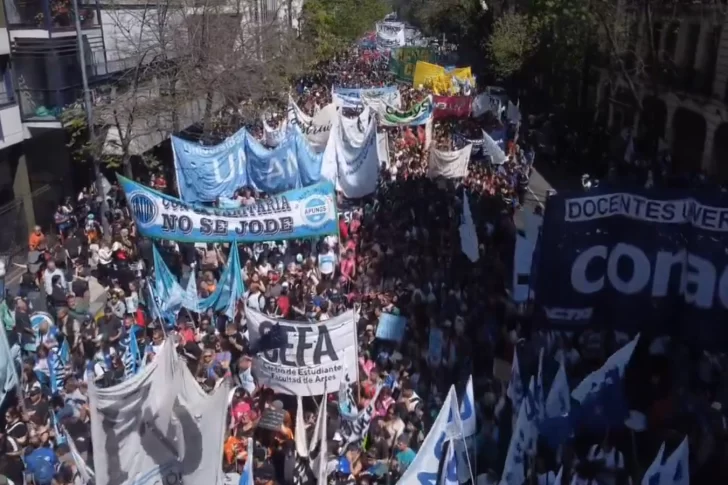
332, 25
83, 149
512, 42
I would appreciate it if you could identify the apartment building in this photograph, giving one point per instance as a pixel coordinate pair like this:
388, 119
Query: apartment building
686, 104
41, 74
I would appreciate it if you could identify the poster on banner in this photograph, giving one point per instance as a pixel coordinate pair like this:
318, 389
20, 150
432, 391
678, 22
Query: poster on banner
316, 129
636, 260
418, 115
314, 356
449, 165
391, 327
355, 97
451, 106
357, 158
301, 213
404, 60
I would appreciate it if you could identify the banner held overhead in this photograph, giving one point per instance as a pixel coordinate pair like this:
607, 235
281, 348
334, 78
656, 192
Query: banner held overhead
301, 213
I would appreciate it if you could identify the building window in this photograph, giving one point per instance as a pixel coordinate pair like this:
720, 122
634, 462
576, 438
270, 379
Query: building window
7, 93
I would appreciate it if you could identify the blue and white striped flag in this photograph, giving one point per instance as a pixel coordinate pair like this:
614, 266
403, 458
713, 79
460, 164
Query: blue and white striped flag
56, 371
131, 355
246, 478
515, 390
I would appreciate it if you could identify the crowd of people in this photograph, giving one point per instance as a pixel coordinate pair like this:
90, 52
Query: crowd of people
397, 252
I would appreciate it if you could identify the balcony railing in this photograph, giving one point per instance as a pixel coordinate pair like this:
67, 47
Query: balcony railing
51, 15
45, 105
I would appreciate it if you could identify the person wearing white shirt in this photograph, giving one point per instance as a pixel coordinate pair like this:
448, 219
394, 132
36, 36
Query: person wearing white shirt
48, 275
327, 262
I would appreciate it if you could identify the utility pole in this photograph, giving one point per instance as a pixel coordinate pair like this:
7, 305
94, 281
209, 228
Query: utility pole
90, 123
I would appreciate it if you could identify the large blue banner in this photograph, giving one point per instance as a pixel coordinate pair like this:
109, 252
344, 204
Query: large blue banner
297, 214
636, 260
205, 173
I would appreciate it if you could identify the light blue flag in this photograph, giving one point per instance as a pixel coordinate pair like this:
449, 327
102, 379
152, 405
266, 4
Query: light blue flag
558, 402
273, 170
60, 437
539, 391
246, 478
64, 353
616, 362
191, 298
234, 292
8, 373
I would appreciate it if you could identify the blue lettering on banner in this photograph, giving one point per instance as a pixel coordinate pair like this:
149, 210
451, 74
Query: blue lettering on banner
634, 260
206, 173
428, 478
300, 213
351, 97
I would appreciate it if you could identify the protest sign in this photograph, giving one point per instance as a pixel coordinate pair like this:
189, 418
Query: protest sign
404, 60
313, 357
636, 260
300, 213
391, 327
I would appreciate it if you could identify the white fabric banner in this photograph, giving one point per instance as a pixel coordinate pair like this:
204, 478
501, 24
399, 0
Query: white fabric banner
357, 430
272, 137
354, 129
449, 164
379, 101
485, 102
314, 358
491, 148
158, 427
317, 128
390, 34
357, 161
383, 148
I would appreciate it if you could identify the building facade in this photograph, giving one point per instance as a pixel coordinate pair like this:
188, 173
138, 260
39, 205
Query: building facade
686, 104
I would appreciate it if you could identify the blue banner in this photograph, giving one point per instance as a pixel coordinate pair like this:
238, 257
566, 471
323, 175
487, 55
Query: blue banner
636, 260
391, 327
206, 173
297, 214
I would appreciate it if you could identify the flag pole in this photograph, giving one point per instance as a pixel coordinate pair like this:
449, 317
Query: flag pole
467, 457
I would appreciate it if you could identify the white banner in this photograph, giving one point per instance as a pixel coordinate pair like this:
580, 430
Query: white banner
314, 358
390, 34
357, 430
383, 148
449, 164
158, 427
317, 128
357, 157
485, 102
491, 148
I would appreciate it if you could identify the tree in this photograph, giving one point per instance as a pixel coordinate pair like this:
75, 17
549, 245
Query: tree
183, 62
512, 42
333, 25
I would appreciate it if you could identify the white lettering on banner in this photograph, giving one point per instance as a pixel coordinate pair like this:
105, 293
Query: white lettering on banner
679, 211
568, 314
699, 281
241, 160
313, 357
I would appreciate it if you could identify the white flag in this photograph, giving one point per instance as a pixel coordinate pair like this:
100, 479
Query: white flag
524, 433
594, 381
515, 386
558, 402
676, 470
652, 475
300, 436
468, 234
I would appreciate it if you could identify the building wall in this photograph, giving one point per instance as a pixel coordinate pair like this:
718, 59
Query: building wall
693, 91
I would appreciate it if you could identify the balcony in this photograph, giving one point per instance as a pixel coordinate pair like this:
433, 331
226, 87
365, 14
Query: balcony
43, 108
48, 18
